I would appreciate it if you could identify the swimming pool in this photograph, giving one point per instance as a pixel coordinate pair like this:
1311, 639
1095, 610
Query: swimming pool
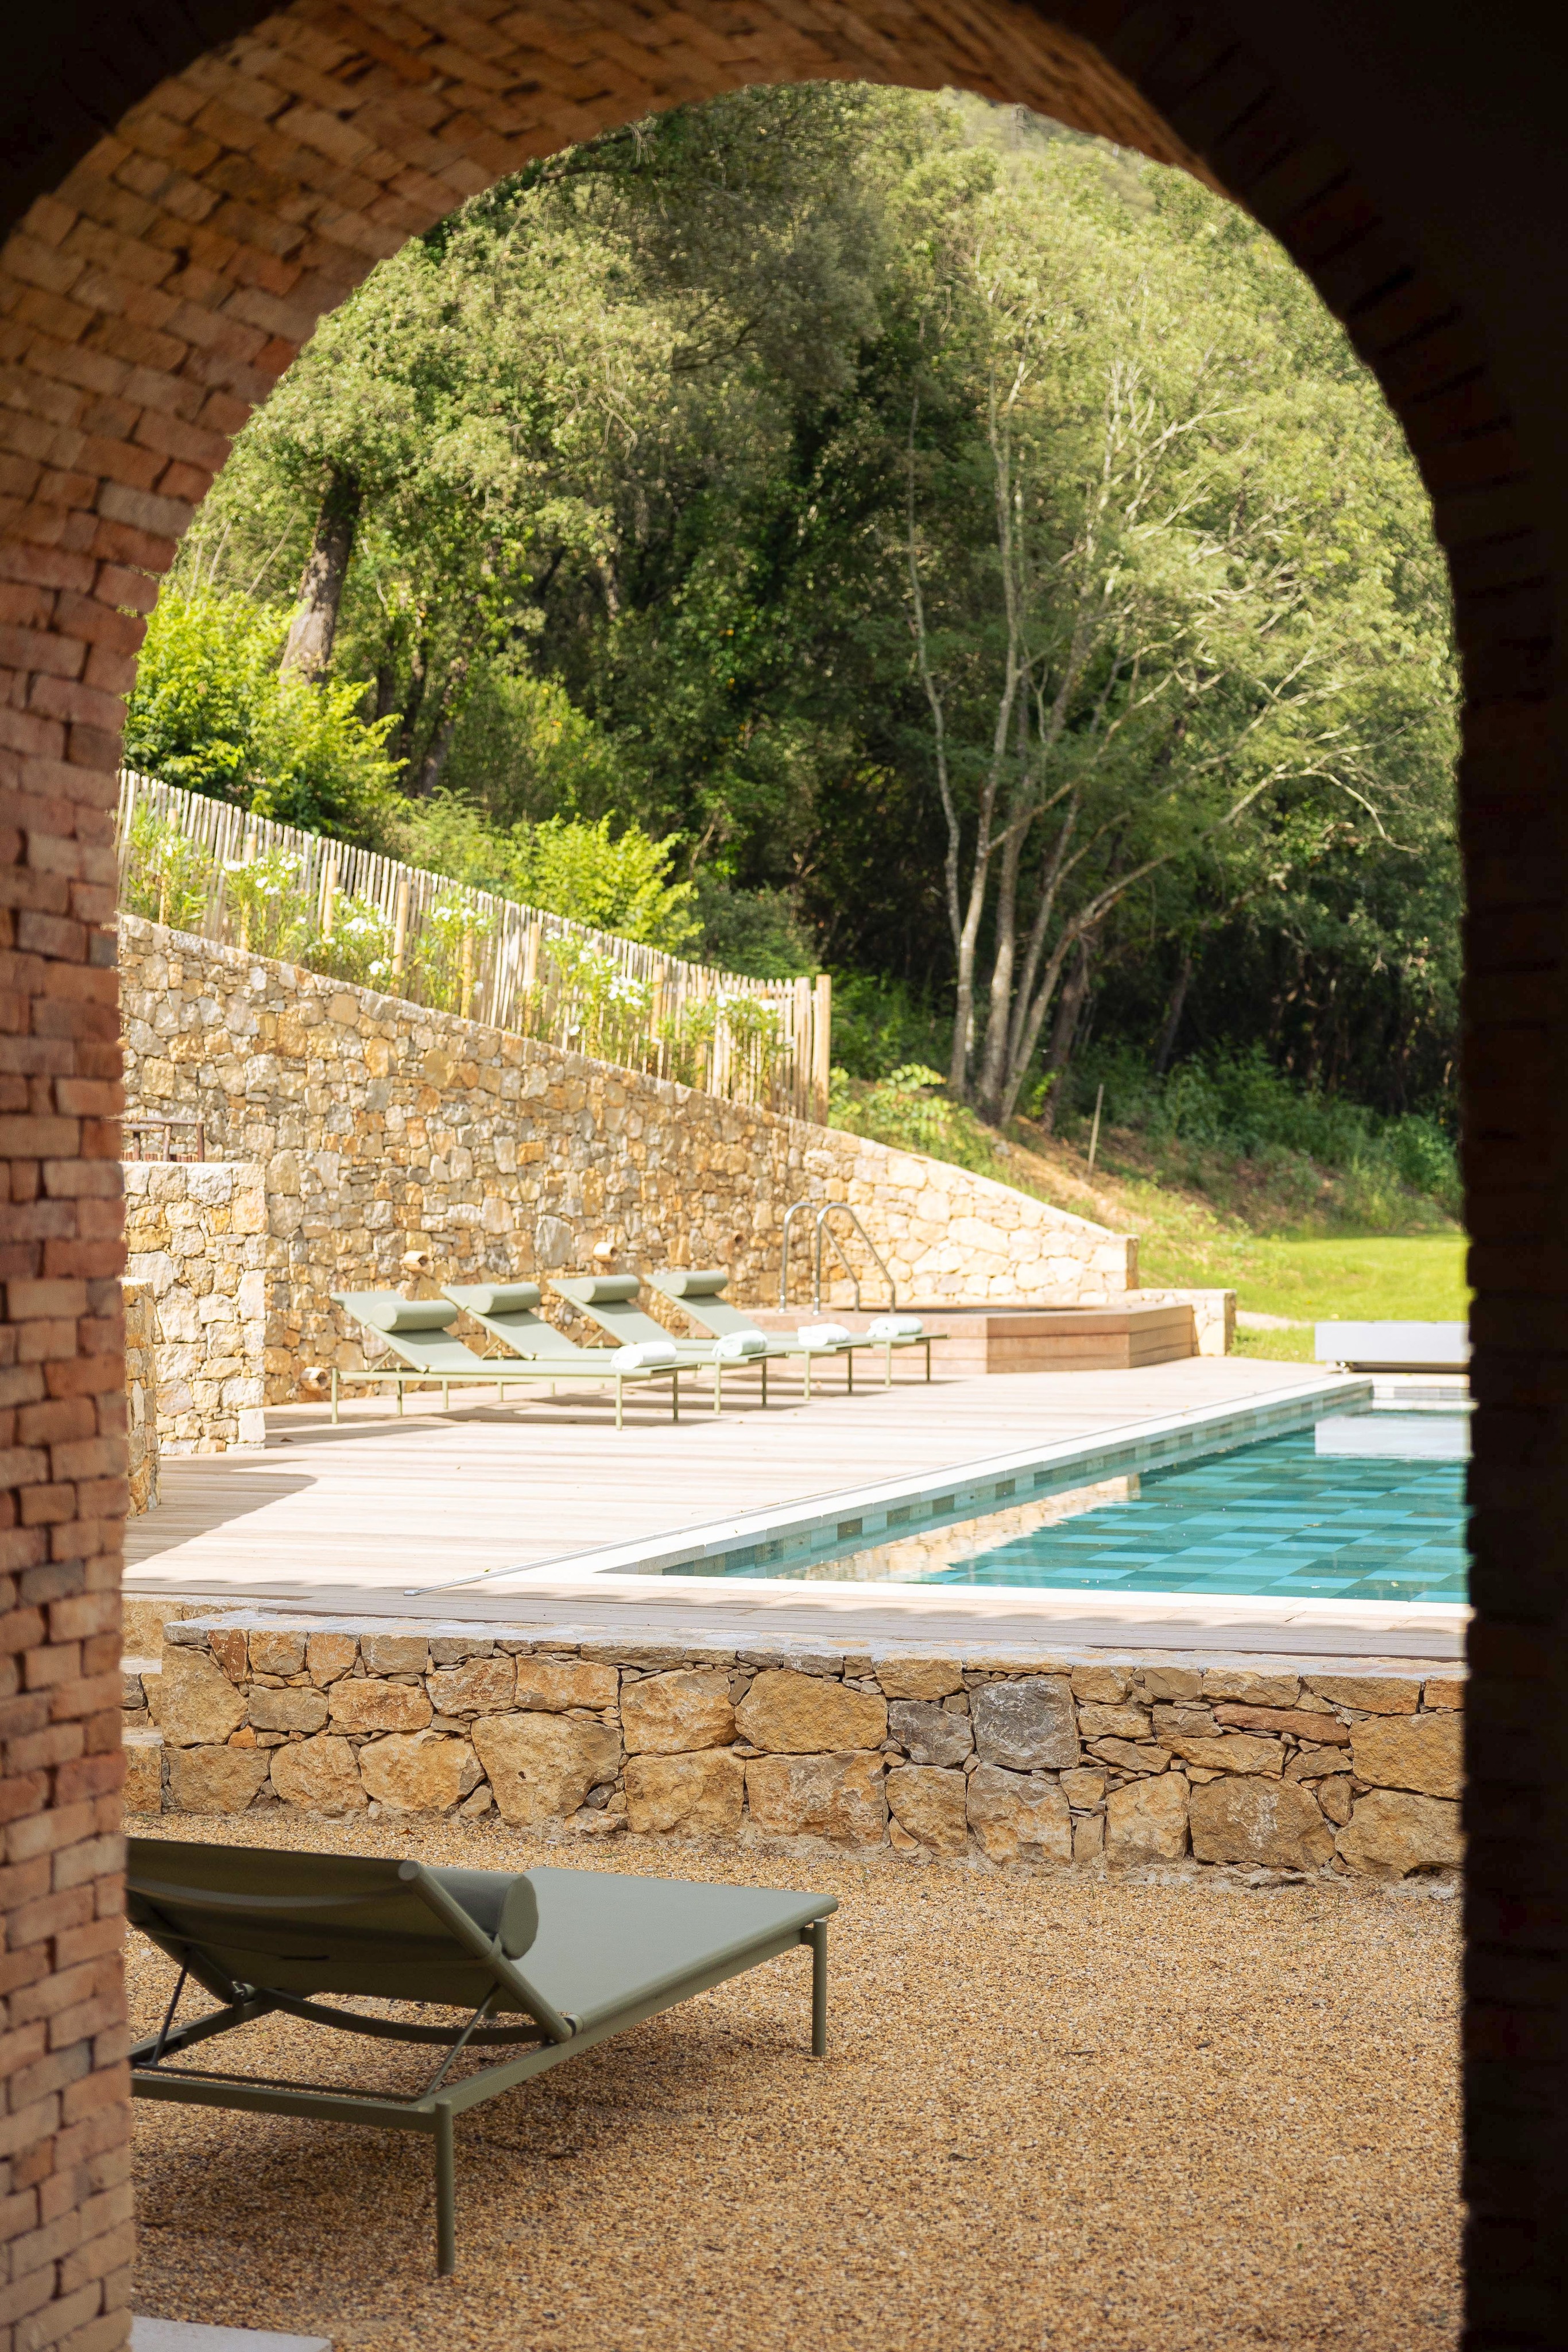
1364, 1504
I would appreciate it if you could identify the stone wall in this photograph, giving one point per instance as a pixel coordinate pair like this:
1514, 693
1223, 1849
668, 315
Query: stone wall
973, 1754
377, 1130
140, 1398
196, 1236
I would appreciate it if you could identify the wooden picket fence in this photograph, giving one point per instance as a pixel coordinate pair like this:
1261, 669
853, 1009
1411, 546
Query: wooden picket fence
244, 881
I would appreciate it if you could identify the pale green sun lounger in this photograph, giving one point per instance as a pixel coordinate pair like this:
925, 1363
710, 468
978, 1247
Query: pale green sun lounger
416, 1331
612, 1301
505, 1311
699, 1293
544, 1965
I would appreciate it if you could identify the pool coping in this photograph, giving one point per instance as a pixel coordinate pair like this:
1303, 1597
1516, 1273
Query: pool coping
665, 1564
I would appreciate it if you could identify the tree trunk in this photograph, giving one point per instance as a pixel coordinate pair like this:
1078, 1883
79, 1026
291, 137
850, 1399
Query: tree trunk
1173, 1014
1069, 1006
440, 743
309, 652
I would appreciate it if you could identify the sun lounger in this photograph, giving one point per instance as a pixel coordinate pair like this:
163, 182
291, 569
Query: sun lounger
697, 1291
610, 1300
1394, 1346
546, 1965
416, 1331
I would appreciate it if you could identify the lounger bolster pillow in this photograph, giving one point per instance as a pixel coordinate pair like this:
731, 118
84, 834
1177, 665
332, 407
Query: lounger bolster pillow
409, 1314
506, 1908
599, 1289
502, 1297
645, 1355
740, 1344
685, 1282
896, 1327
823, 1335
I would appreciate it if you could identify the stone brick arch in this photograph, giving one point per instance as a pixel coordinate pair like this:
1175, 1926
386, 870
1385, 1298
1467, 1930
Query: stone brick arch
188, 190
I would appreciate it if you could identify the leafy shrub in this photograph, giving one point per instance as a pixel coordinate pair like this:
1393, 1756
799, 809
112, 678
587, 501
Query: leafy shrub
882, 1025
759, 932
617, 882
210, 712
361, 947
910, 1109
165, 874
269, 913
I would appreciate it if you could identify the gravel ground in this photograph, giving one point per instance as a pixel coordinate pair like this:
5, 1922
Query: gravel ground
1056, 2113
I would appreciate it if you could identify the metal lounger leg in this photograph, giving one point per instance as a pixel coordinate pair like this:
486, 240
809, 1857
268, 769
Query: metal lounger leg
928, 1362
674, 1396
445, 2192
807, 1376
617, 1392
887, 1377
849, 1362
399, 1396
334, 1396
764, 1383
446, 1395
717, 1384
818, 1934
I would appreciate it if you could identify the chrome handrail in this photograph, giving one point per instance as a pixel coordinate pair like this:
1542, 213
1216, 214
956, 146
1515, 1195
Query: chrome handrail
821, 1227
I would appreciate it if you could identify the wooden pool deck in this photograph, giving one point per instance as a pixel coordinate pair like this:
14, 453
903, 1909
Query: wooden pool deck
423, 1516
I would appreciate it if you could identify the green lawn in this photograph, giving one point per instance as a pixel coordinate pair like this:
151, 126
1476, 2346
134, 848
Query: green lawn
1382, 1277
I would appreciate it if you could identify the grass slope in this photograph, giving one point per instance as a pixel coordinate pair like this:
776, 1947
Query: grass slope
1283, 1233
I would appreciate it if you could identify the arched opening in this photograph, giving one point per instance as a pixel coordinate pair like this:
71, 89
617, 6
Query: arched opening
192, 214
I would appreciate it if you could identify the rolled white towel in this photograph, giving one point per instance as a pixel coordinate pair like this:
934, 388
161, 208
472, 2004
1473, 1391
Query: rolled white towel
822, 1335
896, 1327
737, 1345
645, 1356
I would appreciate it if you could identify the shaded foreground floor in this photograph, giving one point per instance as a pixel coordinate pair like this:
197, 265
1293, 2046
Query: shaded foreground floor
1059, 2113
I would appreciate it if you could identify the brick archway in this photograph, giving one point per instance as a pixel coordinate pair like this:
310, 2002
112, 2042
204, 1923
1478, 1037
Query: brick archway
185, 203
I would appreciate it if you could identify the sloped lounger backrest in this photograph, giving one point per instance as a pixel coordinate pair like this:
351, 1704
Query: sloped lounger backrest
314, 1923
610, 1300
509, 1316
417, 1329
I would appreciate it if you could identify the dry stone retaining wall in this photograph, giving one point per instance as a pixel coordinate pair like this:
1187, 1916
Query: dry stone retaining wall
196, 1236
972, 1755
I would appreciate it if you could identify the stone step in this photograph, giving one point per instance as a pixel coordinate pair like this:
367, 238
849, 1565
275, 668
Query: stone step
143, 1770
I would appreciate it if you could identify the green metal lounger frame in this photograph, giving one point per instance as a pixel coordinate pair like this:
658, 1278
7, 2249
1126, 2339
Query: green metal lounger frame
263, 1931
697, 1291
416, 1329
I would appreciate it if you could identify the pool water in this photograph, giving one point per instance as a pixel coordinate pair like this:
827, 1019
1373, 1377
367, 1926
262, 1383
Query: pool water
1365, 1506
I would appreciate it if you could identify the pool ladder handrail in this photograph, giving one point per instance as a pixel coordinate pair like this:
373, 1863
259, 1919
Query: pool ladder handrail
821, 1227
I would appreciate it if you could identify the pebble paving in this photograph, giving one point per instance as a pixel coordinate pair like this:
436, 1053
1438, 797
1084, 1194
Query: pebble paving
1059, 2112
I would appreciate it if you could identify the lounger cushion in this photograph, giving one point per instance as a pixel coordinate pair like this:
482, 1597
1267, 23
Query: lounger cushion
599, 1289
502, 1297
407, 1314
683, 1282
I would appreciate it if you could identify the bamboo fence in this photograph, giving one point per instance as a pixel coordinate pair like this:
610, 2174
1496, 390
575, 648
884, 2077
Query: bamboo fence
465, 950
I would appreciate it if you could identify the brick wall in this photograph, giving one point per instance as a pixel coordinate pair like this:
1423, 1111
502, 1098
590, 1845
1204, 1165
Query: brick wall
148, 299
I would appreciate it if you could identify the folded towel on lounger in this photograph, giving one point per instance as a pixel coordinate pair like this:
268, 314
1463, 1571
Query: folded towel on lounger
739, 1344
822, 1335
896, 1327
644, 1356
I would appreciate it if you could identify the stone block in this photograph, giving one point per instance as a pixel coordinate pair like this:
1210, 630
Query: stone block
1261, 1820
1101, 1686
1147, 1821
279, 1651
477, 1686
418, 1771
192, 1702
1445, 1690
928, 1734
551, 1685
329, 1656
360, 1703
1374, 1694
840, 1797
1237, 1751
1083, 1786
1392, 1833
215, 1779
1025, 1726
394, 1654
319, 1776
1252, 1688
144, 1772
908, 1678
1096, 1722
541, 1766
673, 1713
929, 1805
808, 1714
1326, 1730
1017, 1818
703, 1794
1422, 1752
286, 1710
